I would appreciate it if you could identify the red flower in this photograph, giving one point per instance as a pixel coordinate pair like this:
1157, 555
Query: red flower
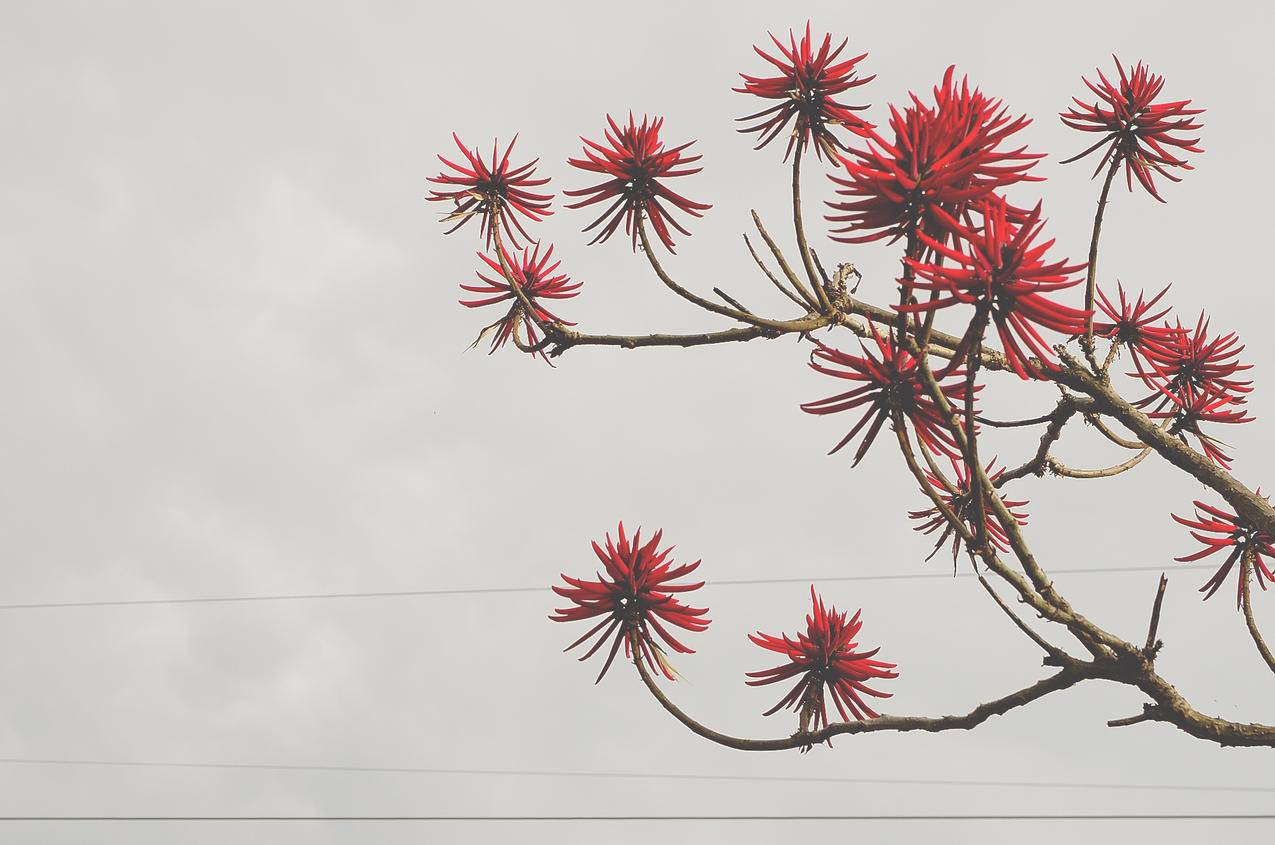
807, 84
1217, 530
942, 157
1186, 364
1006, 278
1137, 130
824, 658
1187, 412
633, 162
890, 380
492, 191
634, 598
1132, 325
536, 276
961, 504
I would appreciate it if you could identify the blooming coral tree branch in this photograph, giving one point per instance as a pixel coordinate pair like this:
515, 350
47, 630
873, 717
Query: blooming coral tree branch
933, 184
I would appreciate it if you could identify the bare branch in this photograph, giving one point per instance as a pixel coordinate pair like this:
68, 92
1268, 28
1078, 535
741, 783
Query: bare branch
563, 339
1144, 716
1036, 465
802, 246
1247, 601
1054, 652
1153, 646
1105, 430
1092, 277
792, 277
1058, 468
1043, 418
769, 275
1072, 674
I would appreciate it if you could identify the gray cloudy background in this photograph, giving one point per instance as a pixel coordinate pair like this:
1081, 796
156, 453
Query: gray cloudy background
234, 364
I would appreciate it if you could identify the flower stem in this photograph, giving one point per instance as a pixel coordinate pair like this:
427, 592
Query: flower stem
1092, 278
1263, 649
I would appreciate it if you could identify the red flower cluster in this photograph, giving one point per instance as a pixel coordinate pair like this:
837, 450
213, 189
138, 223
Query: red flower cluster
491, 192
635, 597
890, 381
1218, 529
961, 503
1136, 130
824, 659
634, 161
943, 157
806, 88
538, 280
1133, 325
1194, 379
1005, 277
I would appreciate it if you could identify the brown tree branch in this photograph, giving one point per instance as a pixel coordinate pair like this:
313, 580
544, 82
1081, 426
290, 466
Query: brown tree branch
1059, 468
1072, 674
802, 246
769, 275
784, 267
1055, 653
1105, 430
1067, 406
1153, 646
1254, 509
1247, 601
1092, 276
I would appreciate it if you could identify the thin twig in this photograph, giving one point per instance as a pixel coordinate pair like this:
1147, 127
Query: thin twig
1105, 430
802, 246
801, 303
1153, 645
1058, 468
1092, 277
793, 279
1054, 652
1262, 648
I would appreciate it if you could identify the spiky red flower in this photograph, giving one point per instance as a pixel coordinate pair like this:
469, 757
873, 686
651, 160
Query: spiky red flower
943, 156
889, 380
635, 598
809, 81
1219, 529
1188, 412
961, 504
1132, 324
1188, 364
1136, 130
1006, 277
824, 658
634, 161
491, 191
538, 280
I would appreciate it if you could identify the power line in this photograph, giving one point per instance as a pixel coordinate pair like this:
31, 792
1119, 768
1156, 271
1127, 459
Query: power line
969, 817
999, 784
471, 591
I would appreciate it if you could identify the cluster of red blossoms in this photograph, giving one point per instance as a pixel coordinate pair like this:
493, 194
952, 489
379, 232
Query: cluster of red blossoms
1194, 378
535, 276
809, 80
824, 659
635, 599
936, 179
960, 501
1136, 130
1217, 530
889, 381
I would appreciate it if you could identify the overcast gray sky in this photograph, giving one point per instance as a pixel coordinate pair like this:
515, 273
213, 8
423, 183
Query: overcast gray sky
234, 364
